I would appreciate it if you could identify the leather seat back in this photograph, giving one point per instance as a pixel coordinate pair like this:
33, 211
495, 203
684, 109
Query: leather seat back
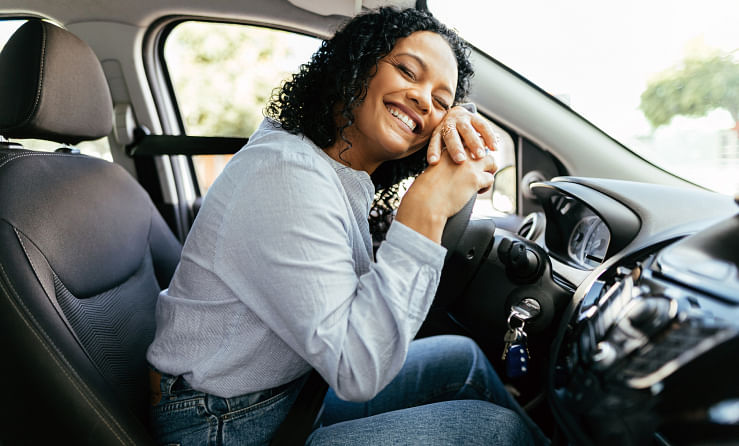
84, 254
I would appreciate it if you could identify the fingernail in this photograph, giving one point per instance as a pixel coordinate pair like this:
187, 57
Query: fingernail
433, 158
458, 157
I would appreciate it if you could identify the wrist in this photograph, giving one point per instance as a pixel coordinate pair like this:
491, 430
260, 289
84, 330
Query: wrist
422, 219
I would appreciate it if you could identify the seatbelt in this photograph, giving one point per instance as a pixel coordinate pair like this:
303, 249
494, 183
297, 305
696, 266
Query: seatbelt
298, 424
151, 145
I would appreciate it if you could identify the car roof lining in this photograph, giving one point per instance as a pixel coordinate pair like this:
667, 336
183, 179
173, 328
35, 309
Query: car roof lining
142, 13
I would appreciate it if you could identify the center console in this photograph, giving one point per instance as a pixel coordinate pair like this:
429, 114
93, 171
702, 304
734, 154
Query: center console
650, 351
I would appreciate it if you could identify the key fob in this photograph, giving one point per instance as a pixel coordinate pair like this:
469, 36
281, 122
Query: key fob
517, 361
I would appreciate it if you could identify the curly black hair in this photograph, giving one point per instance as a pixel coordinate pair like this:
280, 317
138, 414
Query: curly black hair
338, 74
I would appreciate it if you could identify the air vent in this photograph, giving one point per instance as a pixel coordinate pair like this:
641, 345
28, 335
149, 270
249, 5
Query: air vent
525, 228
532, 226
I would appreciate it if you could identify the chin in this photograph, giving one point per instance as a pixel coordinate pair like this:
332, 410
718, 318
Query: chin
404, 153
396, 150
406, 148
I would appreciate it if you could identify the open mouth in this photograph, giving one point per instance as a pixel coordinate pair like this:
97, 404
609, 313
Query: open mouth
404, 118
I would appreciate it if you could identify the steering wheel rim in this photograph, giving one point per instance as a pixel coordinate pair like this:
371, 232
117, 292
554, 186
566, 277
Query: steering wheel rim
455, 227
468, 244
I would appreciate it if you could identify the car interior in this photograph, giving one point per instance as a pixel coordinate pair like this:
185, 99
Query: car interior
624, 276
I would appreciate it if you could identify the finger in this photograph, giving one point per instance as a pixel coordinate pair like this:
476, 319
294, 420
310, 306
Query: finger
454, 145
433, 154
471, 139
492, 139
486, 182
488, 163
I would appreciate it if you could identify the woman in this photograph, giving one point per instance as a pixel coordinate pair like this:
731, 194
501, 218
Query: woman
277, 274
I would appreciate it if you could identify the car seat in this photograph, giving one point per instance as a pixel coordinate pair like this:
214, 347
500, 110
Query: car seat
83, 255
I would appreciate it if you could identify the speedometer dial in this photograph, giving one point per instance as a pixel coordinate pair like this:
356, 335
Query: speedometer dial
589, 241
596, 244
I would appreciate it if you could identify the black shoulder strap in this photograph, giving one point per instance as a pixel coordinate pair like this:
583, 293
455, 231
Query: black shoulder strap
150, 145
298, 424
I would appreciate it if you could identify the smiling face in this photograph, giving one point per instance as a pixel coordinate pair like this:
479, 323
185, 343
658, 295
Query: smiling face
406, 99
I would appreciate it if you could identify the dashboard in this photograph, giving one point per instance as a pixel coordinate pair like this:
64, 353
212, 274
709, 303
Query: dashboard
637, 286
588, 241
647, 350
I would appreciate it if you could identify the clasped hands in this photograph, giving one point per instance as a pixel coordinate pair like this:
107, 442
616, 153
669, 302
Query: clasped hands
463, 135
449, 182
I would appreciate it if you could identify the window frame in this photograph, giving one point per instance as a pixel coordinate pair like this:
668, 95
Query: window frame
161, 82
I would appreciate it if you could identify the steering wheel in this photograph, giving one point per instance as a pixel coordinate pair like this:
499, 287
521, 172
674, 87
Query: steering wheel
455, 227
468, 244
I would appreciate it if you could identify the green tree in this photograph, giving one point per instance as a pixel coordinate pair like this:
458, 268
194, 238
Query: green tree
223, 74
697, 86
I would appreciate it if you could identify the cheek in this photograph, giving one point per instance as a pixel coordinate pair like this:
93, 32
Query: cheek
435, 121
364, 115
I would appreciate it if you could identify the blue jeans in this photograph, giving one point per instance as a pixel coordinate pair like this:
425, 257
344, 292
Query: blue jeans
188, 417
447, 393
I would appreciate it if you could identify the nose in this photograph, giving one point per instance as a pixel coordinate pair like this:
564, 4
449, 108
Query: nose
421, 97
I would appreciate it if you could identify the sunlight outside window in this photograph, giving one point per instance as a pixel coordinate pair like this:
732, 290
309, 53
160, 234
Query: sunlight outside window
661, 77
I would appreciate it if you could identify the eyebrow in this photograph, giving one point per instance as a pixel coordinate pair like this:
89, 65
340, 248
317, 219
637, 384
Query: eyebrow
425, 67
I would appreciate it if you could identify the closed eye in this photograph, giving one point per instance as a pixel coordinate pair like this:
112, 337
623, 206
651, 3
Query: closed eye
442, 103
407, 71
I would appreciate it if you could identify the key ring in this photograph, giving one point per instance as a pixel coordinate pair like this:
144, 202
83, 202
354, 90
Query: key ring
511, 316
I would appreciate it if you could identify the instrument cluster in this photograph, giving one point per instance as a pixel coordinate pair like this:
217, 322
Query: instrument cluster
588, 242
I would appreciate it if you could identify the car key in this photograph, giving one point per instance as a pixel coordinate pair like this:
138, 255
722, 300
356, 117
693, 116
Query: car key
511, 337
516, 352
517, 357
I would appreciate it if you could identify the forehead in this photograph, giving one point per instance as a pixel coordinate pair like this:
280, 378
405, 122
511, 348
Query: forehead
434, 51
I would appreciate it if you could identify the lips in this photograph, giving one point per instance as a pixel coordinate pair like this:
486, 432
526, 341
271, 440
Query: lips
406, 116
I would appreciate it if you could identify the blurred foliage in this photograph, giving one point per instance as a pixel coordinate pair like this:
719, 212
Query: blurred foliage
697, 86
223, 74
504, 190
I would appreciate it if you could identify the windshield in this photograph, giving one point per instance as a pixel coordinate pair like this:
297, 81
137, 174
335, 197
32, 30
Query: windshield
660, 76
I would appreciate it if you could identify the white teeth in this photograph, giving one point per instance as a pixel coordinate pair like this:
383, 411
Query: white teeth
403, 117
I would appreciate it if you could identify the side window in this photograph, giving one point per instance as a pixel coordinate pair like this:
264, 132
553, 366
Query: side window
224, 74
501, 198
98, 148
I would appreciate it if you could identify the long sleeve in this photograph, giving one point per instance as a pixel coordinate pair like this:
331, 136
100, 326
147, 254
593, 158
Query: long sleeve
276, 276
285, 250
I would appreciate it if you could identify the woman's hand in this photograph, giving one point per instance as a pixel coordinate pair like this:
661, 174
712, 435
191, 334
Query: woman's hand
441, 191
459, 129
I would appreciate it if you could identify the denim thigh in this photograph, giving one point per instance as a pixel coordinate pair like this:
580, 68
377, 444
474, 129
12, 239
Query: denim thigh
446, 393
439, 368
186, 417
461, 422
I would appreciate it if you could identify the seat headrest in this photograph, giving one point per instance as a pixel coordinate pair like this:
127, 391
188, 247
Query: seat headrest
52, 87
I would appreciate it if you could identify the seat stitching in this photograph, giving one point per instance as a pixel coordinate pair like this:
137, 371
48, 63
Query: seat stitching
23, 155
77, 384
37, 100
54, 302
25, 251
42, 67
